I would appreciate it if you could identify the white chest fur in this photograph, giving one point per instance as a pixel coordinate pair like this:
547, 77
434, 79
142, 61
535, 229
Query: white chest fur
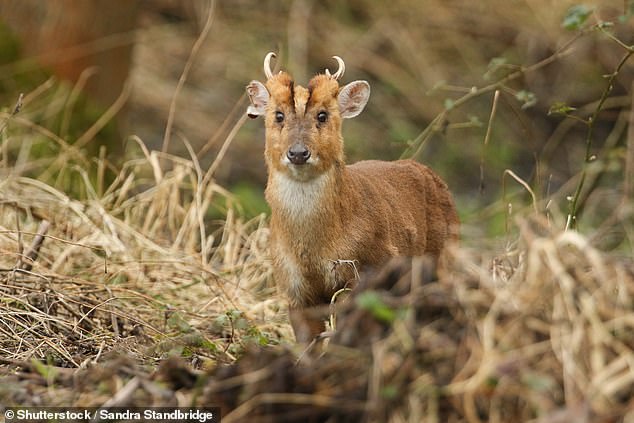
297, 199
300, 207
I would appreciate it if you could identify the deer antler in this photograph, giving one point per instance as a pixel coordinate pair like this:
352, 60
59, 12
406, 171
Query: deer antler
340, 71
267, 65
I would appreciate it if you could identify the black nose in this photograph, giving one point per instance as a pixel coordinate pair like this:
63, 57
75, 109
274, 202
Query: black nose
298, 154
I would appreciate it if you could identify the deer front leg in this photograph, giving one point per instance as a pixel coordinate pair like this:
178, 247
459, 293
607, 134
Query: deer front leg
306, 323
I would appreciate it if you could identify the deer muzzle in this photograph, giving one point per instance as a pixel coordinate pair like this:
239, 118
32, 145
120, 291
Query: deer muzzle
298, 154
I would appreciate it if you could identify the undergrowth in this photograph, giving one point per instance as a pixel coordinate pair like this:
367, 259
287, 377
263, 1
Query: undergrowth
145, 278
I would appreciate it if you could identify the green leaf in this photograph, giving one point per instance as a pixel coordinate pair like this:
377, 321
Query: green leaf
528, 98
437, 86
389, 392
539, 382
372, 302
254, 335
576, 16
47, 372
494, 65
560, 108
177, 321
234, 314
241, 323
492, 381
475, 121
220, 322
449, 103
496, 62
210, 346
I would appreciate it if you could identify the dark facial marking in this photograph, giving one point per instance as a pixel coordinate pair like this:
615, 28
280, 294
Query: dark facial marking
291, 87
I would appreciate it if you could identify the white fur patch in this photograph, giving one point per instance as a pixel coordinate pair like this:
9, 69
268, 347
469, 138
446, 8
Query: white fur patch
299, 198
300, 201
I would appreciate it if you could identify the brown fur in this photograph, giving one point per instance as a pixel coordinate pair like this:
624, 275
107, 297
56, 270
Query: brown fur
326, 211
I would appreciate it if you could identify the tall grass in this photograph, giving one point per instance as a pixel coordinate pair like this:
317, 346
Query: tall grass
129, 256
136, 276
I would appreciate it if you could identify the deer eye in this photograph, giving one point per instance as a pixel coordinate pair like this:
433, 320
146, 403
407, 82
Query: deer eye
322, 117
279, 117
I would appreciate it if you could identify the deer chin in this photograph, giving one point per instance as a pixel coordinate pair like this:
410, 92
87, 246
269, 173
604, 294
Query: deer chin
302, 172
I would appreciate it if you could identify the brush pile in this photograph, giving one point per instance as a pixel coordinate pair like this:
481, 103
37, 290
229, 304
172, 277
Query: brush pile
545, 333
548, 337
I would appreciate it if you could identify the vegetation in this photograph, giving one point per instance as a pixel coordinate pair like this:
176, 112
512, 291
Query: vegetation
147, 281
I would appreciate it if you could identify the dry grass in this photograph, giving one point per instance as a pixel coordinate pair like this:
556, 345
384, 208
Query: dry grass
118, 288
127, 267
545, 333
130, 287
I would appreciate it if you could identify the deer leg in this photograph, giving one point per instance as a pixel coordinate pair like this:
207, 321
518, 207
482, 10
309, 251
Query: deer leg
306, 325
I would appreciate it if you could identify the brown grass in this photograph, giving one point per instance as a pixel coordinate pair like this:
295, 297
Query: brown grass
117, 268
544, 333
149, 288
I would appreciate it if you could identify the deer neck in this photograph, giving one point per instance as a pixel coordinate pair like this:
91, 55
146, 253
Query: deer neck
311, 209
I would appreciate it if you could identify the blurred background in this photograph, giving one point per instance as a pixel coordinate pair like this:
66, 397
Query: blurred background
95, 72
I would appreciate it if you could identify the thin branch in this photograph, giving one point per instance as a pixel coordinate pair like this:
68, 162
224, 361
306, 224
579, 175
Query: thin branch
615, 39
15, 111
487, 137
525, 185
417, 145
34, 251
576, 204
628, 186
181, 81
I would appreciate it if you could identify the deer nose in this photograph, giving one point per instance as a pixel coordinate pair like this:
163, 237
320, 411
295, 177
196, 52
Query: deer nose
298, 154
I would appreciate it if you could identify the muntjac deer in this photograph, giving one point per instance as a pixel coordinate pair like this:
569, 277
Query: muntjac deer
325, 212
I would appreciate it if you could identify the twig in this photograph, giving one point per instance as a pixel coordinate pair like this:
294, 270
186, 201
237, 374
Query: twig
333, 301
577, 202
525, 185
65, 241
494, 107
106, 117
181, 81
225, 146
628, 186
34, 250
238, 106
417, 145
3, 126
625, 209
20, 243
197, 204
123, 395
351, 263
15, 111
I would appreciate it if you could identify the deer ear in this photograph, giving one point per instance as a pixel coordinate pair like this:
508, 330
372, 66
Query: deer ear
352, 98
259, 97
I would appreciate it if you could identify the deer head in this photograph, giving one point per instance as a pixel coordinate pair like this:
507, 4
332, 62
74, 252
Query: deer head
303, 125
